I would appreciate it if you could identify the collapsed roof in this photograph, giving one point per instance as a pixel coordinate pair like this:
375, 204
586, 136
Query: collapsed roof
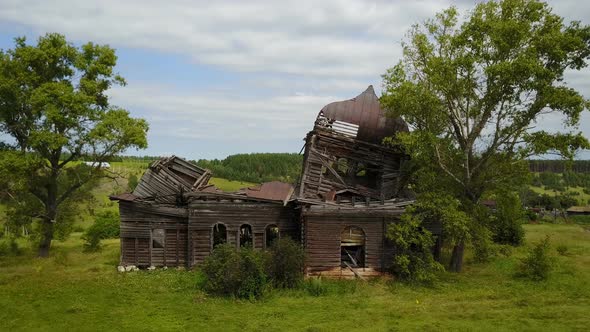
169, 177
172, 180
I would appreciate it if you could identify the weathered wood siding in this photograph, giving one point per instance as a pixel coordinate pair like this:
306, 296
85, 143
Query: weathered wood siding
322, 241
139, 220
204, 215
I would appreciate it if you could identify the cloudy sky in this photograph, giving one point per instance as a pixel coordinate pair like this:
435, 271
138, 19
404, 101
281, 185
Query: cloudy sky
215, 78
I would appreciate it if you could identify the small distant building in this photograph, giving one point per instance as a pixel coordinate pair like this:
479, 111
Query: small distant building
578, 211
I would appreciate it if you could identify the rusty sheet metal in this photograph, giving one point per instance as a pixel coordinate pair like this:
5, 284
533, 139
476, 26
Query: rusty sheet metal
127, 197
275, 190
365, 111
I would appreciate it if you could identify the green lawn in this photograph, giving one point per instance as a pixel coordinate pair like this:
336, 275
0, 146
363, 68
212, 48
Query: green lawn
77, 291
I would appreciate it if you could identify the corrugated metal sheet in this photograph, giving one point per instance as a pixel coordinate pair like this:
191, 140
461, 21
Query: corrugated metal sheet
275, 190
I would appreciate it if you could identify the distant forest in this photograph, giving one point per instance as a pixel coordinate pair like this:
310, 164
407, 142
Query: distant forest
559, 166
263, 167
256, 167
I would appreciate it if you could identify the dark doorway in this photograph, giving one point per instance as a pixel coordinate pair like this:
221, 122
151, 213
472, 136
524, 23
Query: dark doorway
352, 247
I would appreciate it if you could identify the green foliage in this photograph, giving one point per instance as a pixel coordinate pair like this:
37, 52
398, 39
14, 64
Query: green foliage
500, 68
256, 167
286, 263
235, 273
55, 107
314, 286
562, 249
585, 220
106, 226
132, 182
506, 225
9, 246
412, 244
538, 263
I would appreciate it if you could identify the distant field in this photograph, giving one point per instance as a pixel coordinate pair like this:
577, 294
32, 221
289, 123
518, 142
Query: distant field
583, 198
77, 291
228, 185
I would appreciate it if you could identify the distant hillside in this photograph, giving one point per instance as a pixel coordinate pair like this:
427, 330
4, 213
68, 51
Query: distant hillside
256, 167
559, 166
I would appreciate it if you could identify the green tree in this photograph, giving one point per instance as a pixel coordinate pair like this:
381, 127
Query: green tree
473, 92
53, 103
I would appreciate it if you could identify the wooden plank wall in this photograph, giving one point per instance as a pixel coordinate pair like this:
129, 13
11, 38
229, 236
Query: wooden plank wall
322, 241
203, 215
138, 220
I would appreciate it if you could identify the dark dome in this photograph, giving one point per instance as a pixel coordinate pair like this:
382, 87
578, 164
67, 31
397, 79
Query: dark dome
364, 111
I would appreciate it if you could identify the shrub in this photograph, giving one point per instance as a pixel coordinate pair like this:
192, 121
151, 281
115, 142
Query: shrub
562, 250
235, 273
413, 260
531, 215
91, 242
106, 226
132, 182
9, 246
286, 263
537, 264
506, 225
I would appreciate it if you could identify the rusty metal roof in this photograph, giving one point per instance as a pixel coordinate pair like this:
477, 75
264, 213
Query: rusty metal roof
365, 111
275, 190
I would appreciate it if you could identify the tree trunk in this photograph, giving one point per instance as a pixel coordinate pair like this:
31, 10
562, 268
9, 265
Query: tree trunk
46, 237
457, 257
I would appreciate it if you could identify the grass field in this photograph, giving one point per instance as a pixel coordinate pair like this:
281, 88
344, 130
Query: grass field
77, 291
582, 197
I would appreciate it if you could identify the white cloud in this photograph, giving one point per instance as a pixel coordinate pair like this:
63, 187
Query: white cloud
301, 53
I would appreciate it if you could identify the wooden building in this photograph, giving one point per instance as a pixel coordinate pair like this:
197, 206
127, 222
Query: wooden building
351, 188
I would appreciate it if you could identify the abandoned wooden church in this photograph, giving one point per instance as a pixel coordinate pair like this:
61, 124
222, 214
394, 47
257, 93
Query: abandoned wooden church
350, 188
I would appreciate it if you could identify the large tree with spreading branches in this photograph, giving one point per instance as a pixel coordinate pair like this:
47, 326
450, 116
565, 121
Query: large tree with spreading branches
55, 110
475, 88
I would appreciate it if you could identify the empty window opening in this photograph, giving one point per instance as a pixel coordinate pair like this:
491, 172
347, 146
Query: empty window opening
158, 238
219, 234
271, 233
352, 247
246, 236
342, 166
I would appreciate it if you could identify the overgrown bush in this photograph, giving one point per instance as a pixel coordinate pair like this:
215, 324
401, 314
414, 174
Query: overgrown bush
538, 263
9, 247
562, 249
413, 260
132, 182
507, 221
235, 273
106, 226
285, 263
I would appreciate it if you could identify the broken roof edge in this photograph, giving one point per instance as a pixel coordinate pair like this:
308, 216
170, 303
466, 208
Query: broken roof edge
274, 191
